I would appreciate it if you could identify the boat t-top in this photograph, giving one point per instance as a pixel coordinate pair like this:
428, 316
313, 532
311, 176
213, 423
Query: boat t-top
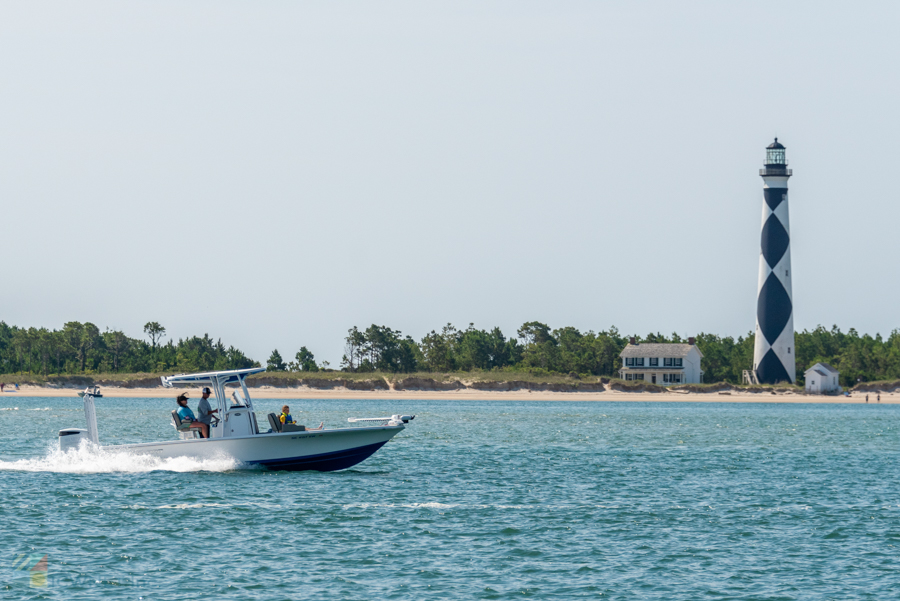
236, 433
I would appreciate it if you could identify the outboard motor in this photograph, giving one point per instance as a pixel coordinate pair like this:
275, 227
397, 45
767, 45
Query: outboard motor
70, 438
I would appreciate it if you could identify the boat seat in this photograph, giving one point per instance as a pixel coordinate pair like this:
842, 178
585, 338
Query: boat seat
183, 426
274, 422
293, 428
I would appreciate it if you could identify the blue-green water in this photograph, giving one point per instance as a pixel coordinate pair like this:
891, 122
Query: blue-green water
475, 500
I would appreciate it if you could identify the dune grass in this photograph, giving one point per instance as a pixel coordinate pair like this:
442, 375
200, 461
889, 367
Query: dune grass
536, 376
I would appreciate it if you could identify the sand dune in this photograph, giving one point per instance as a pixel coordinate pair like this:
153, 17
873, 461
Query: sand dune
266, 392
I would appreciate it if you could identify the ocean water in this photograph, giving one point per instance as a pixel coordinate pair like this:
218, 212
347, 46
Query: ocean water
475, 500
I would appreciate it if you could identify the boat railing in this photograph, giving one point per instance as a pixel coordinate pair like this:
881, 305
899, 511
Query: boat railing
394, 420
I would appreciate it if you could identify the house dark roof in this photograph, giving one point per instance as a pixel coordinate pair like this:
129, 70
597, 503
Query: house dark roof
656, 349
823, 366
821, 373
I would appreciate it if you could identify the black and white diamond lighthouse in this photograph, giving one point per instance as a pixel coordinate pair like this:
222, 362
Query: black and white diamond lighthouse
773, 354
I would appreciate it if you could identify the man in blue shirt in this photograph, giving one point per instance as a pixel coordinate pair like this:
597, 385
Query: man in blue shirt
185, 413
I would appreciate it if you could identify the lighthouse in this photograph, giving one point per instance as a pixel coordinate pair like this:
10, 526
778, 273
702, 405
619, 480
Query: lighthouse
773, 353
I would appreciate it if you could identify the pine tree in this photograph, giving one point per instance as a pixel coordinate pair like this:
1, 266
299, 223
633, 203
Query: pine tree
275, 362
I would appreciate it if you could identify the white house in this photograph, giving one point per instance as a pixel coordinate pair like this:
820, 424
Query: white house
822, 378
662, 363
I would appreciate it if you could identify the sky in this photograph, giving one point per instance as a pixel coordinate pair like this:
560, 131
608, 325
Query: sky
274, 173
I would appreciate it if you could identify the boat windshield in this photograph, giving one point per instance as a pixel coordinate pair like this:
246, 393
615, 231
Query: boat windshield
237, 400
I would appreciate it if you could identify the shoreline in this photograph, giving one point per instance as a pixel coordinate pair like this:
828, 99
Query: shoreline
304, 393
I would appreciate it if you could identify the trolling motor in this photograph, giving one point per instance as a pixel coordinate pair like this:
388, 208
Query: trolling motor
70, 438
394, 420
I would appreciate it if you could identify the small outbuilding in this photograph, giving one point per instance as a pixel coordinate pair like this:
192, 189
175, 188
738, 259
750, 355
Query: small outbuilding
821, 378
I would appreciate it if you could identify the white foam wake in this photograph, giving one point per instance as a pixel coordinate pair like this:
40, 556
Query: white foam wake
90, 459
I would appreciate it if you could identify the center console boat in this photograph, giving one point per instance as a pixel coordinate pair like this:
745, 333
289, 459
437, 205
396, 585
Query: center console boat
237, 434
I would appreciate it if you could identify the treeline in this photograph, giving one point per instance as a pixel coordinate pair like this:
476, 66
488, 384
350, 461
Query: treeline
81, 348
538, 348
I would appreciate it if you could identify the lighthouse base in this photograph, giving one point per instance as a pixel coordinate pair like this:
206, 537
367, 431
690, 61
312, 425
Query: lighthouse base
771, 370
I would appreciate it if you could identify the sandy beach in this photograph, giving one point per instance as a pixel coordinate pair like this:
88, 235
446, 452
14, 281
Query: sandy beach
267, 392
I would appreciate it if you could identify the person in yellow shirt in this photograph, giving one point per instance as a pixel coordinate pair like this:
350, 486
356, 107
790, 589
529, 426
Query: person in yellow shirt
285, 418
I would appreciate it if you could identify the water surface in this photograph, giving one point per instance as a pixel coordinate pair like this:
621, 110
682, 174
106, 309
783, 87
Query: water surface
475, 500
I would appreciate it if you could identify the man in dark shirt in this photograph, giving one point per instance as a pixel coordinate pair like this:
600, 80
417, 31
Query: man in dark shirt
205, 411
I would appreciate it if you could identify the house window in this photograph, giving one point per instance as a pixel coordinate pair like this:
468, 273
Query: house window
634, 376
639, 362
789, 350
678, 362
629, 362
667, 362
654, 361
671, 378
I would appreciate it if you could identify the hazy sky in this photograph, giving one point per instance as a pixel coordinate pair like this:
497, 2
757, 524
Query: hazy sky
273, 173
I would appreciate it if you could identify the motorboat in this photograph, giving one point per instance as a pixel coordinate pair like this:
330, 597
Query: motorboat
235, 432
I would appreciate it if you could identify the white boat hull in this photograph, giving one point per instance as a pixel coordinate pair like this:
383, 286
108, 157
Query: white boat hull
325, 450
235, 434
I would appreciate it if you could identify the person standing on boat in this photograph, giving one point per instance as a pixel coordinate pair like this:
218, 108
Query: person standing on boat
185, 413
205, 411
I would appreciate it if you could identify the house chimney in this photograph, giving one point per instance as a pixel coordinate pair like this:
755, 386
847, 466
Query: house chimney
692, 341
633, 340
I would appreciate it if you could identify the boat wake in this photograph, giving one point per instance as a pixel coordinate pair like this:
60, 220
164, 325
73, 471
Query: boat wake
91, 459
